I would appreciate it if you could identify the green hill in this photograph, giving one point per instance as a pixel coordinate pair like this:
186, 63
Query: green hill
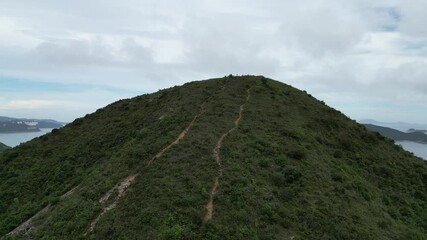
229, 158
3, 147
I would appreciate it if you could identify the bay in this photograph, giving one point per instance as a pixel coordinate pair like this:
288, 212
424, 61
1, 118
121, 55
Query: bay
419, 150
14, 139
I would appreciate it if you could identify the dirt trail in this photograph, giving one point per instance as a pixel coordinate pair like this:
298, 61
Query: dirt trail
125, 184
26, 227
65, 195
216, 154
121, 189
180, 136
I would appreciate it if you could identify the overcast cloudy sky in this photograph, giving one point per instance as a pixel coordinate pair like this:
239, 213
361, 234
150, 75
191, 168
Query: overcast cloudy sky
63, 59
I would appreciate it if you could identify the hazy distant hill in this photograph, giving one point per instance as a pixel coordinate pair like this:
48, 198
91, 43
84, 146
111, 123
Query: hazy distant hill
228, 158
12, 127
401, 126
3, 147
414, 136
9, 125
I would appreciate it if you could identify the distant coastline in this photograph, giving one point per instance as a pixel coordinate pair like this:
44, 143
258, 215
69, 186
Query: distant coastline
24, 125
413, 140
396, 135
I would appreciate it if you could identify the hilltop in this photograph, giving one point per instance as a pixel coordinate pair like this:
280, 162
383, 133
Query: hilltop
228, 158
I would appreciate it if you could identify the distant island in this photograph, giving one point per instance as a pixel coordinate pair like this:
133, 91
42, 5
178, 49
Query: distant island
15, 125
412, 135
3, 147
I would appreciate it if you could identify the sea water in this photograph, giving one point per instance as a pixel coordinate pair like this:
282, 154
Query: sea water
14, 139
419, 150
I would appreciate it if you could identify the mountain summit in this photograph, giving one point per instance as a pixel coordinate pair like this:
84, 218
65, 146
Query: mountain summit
229, 158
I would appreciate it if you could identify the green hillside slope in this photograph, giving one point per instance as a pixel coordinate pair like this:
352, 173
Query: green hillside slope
230, 158
3, 147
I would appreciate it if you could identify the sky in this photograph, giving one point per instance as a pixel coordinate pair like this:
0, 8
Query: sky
64, 59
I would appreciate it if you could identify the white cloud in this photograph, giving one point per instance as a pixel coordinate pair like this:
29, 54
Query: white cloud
13, 35
97, 51
413, 18
320, 28
27, 104
371, 49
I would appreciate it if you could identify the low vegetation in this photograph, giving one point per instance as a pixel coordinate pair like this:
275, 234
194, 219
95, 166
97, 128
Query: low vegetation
3, 147
293, 169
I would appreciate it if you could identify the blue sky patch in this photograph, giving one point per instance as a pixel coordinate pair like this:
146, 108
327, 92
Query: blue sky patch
8, 84
395, 17
394, 13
